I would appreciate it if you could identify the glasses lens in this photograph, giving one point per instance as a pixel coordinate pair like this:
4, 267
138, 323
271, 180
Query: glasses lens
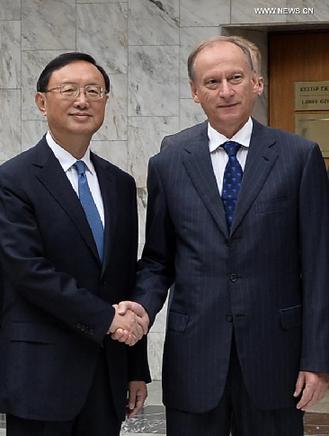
94, 92
69, 90
72, 90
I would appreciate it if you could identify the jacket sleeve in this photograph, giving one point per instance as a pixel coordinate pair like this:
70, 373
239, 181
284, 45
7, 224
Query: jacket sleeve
155, 272
314, 248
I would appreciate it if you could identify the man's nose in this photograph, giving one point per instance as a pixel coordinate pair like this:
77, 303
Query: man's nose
81, 100
226, 89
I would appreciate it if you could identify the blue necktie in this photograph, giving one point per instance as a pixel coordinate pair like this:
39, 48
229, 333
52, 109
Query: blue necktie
89, 207
232, 180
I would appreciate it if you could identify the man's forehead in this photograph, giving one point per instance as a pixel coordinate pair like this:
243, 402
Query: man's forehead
77, 68
222, 47
222, 51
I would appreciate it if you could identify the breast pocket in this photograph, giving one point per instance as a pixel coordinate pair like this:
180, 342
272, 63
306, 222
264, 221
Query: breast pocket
272, 205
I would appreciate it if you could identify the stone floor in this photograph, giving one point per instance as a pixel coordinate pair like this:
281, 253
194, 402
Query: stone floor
152, 420
317, 420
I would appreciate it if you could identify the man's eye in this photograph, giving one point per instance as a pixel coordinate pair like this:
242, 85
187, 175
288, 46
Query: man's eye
236, 78
93, 91
212, 83
68, 90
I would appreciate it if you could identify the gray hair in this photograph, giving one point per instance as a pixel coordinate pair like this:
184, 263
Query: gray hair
242, 43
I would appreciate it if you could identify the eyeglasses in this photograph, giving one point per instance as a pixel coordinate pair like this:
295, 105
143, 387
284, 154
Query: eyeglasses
72, 91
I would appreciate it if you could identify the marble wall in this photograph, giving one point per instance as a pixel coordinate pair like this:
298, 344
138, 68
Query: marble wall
143, 44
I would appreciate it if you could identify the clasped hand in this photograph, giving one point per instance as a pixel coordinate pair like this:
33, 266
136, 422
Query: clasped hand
130, 322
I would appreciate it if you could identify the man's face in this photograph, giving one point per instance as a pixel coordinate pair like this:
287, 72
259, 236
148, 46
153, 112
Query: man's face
73, 117
225, 86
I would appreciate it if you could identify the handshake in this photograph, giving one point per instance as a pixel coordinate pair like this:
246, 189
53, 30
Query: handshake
130, 322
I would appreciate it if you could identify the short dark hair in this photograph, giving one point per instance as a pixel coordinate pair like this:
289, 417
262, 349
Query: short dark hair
65, 59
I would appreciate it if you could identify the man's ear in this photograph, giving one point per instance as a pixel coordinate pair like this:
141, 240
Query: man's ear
41, 102
194, 92
107, 98
260, 85
255, 83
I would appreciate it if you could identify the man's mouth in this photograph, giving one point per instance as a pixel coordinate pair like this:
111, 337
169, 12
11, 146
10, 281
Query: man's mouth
225, 106
80, 114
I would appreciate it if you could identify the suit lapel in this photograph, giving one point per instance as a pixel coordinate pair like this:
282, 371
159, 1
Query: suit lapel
261, 157
198, 165
107, 183
52, 176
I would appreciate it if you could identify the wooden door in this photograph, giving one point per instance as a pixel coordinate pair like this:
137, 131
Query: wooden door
294, 57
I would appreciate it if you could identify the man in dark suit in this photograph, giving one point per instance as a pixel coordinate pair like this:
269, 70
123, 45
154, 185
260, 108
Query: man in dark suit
238, 218
68, 246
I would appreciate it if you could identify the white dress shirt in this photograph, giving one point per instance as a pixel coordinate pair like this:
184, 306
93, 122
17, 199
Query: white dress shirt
67, 161
219, 157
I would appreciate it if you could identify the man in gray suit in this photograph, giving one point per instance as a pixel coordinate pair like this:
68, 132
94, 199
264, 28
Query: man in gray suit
238, 218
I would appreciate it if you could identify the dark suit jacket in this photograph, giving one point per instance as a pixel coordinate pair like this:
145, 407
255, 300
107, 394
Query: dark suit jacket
266, 280
58, 296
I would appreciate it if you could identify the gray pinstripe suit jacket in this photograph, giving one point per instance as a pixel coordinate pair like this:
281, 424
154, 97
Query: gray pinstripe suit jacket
266, 280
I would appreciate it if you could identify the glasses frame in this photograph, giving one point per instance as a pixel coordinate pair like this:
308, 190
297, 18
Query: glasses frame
103, 91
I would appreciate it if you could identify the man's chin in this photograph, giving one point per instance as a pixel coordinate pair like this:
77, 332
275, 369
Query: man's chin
228, 118
78, 128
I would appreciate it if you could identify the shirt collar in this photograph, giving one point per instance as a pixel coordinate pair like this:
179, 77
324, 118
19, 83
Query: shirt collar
243, 136
65, 158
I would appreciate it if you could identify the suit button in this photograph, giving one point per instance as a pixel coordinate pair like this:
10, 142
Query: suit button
229, 318
234, 277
